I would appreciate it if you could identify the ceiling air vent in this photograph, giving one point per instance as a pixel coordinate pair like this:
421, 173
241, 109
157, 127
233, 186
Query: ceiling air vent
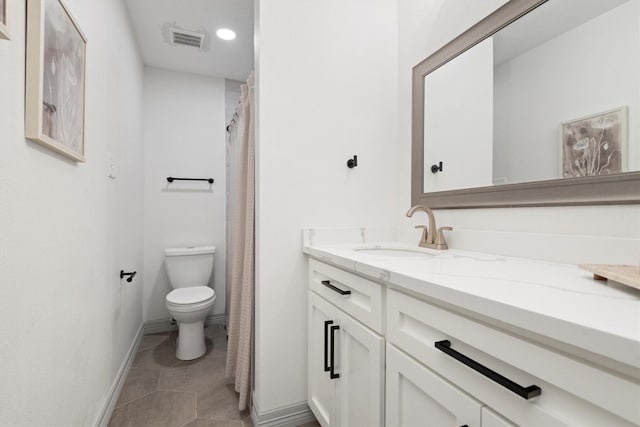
186, 38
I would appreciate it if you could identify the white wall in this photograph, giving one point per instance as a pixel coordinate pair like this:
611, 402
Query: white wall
425, 26
605, 80
326, 82
66, 230
184, 136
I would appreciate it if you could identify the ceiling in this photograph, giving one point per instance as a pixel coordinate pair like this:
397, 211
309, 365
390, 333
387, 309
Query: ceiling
227, 59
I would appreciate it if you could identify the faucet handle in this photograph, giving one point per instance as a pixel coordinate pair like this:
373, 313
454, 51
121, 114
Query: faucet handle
441, 242
423, 239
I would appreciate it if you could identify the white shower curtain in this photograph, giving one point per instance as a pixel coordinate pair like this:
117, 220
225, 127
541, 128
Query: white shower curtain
240, 245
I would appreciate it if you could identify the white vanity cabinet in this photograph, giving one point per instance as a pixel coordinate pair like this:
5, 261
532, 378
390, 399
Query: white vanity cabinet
491, 419
416, 396
346, 359
405, 359
517, 381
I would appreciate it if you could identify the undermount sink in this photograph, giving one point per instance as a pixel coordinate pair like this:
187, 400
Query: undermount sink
394, 252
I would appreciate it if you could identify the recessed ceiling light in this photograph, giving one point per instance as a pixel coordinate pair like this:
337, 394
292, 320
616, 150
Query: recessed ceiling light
226, 34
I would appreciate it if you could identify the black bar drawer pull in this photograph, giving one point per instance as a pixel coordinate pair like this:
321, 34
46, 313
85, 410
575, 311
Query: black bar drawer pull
524, 392
328, 284
332, 374
326, 344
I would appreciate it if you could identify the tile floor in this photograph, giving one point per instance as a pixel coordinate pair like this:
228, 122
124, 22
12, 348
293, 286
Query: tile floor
162, 391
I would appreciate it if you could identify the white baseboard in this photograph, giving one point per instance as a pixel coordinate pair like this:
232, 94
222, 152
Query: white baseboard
167, 325
118, 382
286, 416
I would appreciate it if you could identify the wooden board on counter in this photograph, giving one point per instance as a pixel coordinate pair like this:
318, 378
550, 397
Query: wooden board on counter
626, 274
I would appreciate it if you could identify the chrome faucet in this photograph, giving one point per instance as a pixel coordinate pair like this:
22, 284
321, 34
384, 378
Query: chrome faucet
431, 238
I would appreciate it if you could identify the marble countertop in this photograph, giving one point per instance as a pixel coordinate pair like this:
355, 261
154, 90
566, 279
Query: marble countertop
554, 300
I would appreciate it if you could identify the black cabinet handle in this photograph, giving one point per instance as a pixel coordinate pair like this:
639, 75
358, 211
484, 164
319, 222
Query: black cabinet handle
332, 374
328, 284
524, 392
326, 345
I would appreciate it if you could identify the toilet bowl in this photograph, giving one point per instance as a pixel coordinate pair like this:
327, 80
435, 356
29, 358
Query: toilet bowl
191, 300
189, 307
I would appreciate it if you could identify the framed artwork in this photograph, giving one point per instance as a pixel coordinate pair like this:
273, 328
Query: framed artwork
55, 79
4, 19
594, 145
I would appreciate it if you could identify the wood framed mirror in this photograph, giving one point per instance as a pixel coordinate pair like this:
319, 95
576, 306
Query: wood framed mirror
602, 128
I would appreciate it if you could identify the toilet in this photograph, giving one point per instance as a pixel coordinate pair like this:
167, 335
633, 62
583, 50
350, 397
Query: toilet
190, 301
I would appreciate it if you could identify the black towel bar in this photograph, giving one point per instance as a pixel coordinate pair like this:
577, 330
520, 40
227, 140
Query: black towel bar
171, 179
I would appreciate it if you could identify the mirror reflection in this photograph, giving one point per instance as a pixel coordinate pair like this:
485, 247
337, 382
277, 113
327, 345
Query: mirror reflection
553, 95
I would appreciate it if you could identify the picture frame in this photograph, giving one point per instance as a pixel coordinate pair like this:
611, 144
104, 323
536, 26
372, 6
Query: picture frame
5, 13
55, 95
594, 145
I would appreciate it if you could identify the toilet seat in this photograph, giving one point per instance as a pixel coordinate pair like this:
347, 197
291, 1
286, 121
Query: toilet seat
190, 296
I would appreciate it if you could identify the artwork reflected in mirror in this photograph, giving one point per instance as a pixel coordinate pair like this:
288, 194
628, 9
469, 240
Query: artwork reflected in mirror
56, 50
594, 145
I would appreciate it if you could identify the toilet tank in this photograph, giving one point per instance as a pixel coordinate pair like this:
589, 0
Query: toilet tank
192, 266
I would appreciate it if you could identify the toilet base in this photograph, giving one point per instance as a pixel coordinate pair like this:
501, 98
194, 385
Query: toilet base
190, 344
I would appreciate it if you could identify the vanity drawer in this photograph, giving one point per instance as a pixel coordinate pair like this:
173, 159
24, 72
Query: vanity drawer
572, 392
361, 298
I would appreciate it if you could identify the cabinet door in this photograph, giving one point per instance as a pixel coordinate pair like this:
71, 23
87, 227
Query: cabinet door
492, 419
417, 397
360, 393
321, 389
